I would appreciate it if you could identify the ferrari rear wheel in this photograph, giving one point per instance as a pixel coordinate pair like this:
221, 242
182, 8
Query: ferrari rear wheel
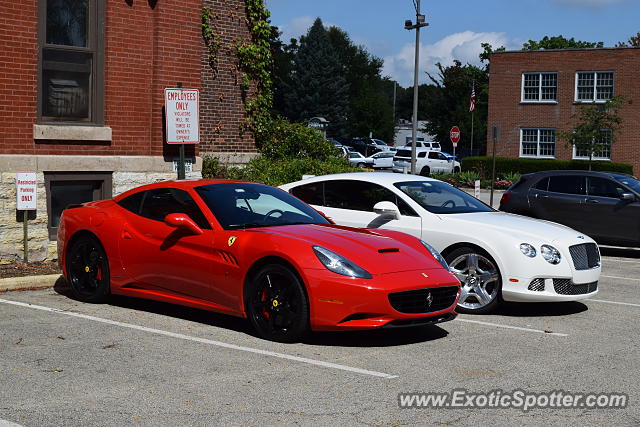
276, 304
479, 277
88, 269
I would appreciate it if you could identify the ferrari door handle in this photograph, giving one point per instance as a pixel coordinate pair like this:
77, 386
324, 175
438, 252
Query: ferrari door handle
126, 235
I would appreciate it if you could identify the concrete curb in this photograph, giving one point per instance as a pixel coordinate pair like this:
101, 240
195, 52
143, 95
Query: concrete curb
28, 282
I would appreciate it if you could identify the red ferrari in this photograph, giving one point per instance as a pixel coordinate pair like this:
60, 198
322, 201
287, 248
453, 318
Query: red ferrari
252, 251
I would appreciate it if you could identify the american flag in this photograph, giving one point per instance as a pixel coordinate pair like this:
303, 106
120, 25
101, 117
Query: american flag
472, 101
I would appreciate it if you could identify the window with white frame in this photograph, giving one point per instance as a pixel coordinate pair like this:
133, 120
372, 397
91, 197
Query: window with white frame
594, 86
538, 143
539, 87
601, 147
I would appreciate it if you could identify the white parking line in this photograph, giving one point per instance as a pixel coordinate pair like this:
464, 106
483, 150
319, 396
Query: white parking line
621, 260
614, 302
205, 341
497, 325
621, 278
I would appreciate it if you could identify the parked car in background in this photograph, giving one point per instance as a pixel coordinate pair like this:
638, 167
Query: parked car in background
494, 254
255, 252
380, 144
604, 205
382, 160
432, 145
362, 146
427, 162
358, 160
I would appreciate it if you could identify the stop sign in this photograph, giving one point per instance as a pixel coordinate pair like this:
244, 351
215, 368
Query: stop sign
454, 135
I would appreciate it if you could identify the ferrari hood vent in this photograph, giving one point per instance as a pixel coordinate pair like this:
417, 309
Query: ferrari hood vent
384, 251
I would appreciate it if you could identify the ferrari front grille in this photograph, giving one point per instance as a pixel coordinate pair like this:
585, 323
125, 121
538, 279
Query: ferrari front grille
424, 300
585, 256
567, 287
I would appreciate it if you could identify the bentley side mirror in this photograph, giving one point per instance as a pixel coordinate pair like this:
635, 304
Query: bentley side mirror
627, 196
387, 209
182, 221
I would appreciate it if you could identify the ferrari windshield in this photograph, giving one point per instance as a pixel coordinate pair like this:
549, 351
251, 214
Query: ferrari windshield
440, 198
248, 205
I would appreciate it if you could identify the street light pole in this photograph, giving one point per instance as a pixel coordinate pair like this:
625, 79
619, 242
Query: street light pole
408, 25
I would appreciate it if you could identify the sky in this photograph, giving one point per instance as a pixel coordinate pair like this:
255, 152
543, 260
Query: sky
456, 27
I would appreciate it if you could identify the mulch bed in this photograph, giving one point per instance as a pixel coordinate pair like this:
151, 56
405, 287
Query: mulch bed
18, 269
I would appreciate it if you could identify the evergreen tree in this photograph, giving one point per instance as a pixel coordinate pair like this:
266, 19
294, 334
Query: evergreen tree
318, 86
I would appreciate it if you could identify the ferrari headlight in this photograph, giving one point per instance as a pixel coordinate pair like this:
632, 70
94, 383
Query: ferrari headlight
339, 264
551, 254
528, 250
437, 255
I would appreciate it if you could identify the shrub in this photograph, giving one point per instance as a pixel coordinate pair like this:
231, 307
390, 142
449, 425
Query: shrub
504, 166
276, 172
285, 140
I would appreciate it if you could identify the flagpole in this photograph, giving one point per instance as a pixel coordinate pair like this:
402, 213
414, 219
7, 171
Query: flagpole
473, 89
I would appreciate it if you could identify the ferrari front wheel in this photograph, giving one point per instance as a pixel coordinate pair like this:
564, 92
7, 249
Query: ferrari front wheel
276, 304
88, 269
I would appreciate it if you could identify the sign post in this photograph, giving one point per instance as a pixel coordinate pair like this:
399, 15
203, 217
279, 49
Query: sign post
26, 200
454, 136
182, 108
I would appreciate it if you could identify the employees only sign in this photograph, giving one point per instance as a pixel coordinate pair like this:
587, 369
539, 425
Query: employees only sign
26, 191
182, 115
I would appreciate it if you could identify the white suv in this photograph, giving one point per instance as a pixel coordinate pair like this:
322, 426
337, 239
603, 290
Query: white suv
427, 162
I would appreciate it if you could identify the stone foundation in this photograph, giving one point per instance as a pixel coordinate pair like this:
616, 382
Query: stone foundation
127, 172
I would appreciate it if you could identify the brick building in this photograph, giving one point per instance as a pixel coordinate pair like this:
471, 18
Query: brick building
81, 100
533, 95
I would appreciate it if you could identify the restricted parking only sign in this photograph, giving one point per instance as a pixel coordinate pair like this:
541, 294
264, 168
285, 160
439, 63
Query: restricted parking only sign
26, 191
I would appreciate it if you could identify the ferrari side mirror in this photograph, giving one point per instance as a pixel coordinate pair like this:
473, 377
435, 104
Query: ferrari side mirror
182, 222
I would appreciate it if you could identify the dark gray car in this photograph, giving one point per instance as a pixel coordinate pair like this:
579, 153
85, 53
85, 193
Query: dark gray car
603, 205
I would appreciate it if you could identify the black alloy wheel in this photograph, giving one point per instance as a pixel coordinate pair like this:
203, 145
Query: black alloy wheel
88, 270
276, 304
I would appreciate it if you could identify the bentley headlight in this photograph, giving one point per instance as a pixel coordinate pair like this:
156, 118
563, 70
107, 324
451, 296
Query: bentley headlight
437, 255
551, 254
528, 250
339, 264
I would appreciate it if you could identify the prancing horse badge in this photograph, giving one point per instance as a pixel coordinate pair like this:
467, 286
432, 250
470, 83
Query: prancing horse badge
232, 239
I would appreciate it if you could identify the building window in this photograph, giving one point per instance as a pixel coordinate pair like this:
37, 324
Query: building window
602, 148
539, 87
71, 56
594, 86
538, 143
69, 188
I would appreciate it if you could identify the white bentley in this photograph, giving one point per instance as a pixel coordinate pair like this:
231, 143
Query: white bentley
495, 255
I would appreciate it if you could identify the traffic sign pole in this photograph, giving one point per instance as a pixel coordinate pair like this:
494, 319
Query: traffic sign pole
181, 171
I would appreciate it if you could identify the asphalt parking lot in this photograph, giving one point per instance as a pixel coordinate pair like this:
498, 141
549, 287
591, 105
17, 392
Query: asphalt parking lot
134, 362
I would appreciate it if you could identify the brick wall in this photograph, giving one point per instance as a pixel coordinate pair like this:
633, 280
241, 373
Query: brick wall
221, 105
149, 45
18, 79
506, 110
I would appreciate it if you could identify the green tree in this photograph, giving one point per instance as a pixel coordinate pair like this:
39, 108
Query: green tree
634, 41
448, 105
595, 127
559, 42
318, 86
369, 108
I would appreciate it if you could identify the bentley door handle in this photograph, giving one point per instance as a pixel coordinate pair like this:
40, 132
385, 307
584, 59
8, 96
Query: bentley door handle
592, 201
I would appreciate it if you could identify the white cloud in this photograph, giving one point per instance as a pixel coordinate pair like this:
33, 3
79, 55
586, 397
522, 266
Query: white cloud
295, 28
465, 47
